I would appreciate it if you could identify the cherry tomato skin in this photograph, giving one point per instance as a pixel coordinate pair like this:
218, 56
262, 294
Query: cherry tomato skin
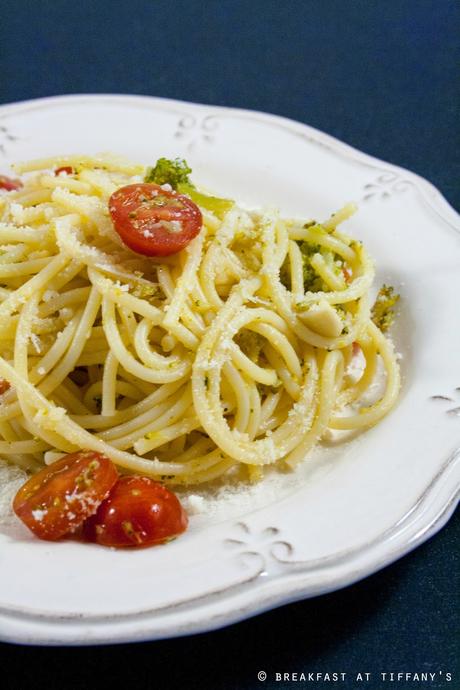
4, 386
64, 170
138, 512
58, 499
9, 184
346, 274
153, 221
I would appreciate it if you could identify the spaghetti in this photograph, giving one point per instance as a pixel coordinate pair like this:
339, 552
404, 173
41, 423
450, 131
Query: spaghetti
223, 358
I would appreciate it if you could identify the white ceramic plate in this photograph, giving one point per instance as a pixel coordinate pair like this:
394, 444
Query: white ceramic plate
350, 509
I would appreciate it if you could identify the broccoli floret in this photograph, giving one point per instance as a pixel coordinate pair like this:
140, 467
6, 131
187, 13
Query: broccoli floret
311, 280
176, 173
383, 312
169, 172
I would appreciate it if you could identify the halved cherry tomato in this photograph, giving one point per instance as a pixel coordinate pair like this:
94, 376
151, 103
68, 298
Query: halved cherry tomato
4, 386
138, 512
9, 183
59, 498
65, 170
153, 221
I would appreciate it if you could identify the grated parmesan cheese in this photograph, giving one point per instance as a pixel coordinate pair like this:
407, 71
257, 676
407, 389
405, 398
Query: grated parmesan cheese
11, 479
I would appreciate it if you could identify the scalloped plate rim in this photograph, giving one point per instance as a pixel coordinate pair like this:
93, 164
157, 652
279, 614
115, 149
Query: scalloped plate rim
47, 629
334, 142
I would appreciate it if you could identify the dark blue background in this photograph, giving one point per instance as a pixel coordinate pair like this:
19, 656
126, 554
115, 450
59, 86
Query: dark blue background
379, 75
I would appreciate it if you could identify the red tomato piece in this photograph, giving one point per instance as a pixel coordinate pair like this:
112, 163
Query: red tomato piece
153, 221
4, 386
59, 498
138, 512
9, 184
346, 274
64, 170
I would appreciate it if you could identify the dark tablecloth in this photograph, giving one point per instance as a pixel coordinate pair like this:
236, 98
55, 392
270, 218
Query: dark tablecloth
380, 76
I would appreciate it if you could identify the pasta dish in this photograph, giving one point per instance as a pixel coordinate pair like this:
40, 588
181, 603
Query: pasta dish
223, 351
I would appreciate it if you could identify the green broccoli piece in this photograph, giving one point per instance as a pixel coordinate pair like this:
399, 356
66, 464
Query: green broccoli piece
214, 204
176, 173
311, 280
169, 172
382, 313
